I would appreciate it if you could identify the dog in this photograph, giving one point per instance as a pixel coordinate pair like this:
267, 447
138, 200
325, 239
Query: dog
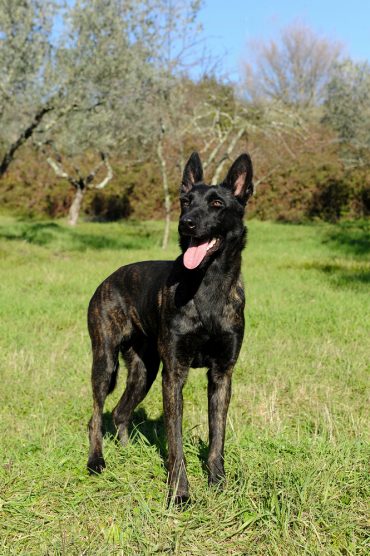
185, 313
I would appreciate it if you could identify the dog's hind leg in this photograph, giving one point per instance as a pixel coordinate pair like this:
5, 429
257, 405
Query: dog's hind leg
103, 376
142, 363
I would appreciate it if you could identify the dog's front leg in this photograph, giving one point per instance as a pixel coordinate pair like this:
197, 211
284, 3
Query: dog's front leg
174, 377
219, 393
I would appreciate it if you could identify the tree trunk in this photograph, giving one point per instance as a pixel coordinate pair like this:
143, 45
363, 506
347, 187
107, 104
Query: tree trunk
74, 210
26, 133
166, 194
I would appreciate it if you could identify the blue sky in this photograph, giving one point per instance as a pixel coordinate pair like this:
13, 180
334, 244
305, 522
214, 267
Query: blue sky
230, 24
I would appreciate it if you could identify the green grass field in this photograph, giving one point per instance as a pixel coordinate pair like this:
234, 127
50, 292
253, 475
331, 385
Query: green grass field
298, 427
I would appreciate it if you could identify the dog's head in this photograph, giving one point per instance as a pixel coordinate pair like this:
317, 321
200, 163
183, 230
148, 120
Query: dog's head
212, 215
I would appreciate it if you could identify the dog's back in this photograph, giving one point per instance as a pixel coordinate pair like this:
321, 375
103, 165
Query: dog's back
129, 301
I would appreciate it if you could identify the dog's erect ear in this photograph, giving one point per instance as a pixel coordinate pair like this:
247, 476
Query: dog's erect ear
240, 178
193, 173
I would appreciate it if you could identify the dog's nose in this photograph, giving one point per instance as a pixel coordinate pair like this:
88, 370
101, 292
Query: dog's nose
188, 222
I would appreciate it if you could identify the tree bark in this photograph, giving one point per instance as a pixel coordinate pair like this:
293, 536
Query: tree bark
166, 194
74, 210
26, 133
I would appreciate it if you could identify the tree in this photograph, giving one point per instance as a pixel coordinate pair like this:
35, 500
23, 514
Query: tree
293, 70
222, 125
226, 124
81, 182
174, 44
104, 65
347, 104
26, 92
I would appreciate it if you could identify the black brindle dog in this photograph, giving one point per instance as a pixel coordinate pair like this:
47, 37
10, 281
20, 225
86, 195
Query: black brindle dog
186, 313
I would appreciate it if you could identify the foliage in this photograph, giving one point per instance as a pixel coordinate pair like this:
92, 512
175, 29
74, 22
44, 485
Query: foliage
347, 108
104, 60
112, 98
296, 446
25, 60
288, 189
308, 180
28, 89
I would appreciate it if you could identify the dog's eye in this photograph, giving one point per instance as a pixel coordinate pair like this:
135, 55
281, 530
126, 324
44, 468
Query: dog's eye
185, 202
217, 203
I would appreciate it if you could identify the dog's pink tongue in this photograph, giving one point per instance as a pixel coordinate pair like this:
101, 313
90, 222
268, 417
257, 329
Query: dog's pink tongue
194, 255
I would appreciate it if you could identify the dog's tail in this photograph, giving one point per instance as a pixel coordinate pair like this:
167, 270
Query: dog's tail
113, 379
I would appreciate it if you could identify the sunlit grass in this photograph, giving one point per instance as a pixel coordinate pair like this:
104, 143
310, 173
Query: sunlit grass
297, 437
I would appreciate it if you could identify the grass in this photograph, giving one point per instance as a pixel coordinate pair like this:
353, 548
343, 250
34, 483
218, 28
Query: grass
297, 438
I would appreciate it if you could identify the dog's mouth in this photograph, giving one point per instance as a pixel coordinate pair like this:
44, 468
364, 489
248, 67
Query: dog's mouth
198, 250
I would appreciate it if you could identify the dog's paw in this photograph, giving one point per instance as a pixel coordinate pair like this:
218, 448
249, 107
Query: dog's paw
123, 436
95, 465
217, 481
181, 501
216, 473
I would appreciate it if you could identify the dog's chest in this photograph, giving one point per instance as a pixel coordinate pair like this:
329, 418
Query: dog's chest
206, 311
219, 312
213, 310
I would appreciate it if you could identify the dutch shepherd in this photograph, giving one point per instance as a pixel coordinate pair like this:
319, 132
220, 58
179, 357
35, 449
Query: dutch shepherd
185, 313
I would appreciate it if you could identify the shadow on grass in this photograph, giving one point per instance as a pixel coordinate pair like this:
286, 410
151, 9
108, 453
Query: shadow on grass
351, 243
51, 233
38, 233
350, 238
203, 450
343, 274
153, 430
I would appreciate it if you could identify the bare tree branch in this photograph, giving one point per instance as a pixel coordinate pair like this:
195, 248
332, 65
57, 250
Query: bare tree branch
22, 138
231, 147
217, 148
293, 70
109, 175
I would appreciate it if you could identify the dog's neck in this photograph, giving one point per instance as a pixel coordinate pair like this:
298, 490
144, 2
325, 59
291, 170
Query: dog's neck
222, 273
210, 288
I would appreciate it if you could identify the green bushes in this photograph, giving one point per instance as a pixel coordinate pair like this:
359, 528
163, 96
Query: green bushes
312, 188
314, 184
